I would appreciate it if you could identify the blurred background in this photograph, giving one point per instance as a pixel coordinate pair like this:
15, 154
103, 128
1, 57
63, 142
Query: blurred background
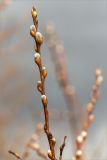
81, 27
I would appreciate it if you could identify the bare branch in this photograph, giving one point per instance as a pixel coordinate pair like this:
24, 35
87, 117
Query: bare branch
62, 148
15, 154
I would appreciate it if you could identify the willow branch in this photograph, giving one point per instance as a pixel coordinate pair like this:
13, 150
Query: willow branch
90, 116
58, 58
32, 144
41, 84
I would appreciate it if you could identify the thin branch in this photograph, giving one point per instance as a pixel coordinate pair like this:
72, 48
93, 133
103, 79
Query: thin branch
41, 84
62, 148
39, 151
58, 58
90, 117
15, 154
32, 144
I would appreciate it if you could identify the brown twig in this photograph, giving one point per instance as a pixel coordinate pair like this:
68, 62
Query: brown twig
90, 108
32, 144
39, 151
41, 84
15, 154
58, 58
62, 148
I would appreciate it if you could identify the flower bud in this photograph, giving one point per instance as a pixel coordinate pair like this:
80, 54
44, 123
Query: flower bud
34, 12
50, 29
93, 100
33, 30
54, 141
39, 125
39, 86
44, 72
49, 154
39, 38
44, 100
85, 126
99, 80
35, 146
84, 134
90, 107
98, 72
94, 88
37, 58
79, 154
59, 48
90, 118
73, 158
79, 141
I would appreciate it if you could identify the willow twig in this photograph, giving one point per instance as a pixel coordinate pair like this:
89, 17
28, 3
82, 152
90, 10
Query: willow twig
90, 117
58, 58
62, 148
32, 144
15, 154
41, 84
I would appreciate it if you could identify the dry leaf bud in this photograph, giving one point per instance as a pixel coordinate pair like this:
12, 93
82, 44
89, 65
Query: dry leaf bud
39, 38
44, 99
33, 30
37, 58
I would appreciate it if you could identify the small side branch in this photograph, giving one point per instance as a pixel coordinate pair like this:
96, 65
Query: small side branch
15, 155
62, 148
33, 145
